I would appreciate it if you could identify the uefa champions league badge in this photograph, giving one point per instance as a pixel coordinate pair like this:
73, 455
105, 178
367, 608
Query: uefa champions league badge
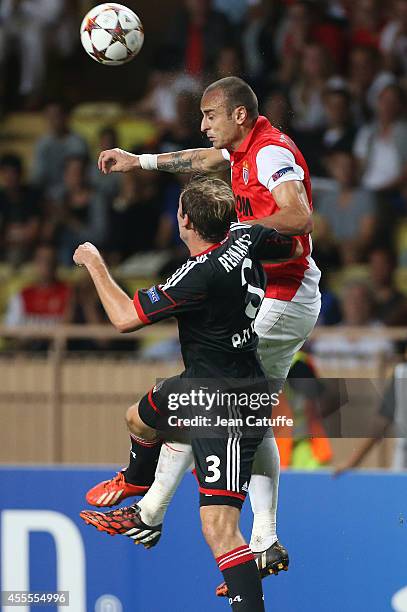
245, 172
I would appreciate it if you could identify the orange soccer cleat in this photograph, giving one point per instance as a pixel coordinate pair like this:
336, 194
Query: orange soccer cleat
111, 492
124, 521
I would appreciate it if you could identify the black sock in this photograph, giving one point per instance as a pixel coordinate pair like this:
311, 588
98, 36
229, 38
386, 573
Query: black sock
143, 461
242, 577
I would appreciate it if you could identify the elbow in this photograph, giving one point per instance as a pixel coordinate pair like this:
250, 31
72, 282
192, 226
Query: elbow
125, 326
306, 225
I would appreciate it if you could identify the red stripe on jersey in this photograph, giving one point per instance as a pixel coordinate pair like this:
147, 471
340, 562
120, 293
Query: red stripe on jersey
221, 492
151, 401
211, 248
139, 309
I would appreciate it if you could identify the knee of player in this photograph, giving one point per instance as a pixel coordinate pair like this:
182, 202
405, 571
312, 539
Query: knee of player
133, 420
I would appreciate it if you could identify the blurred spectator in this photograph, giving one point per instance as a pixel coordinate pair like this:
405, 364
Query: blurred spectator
337, 135
339, 132
392, 412
84, 308
107, 184
234, 10
366, 80
381, 146
54, 148
19, 212
168, 233
393, 40
330, 313
348, 350
135, 215
80, 212
306, 92
366, 23
277, 109
45, 302
165, 84
25, 25
306, 445
305, 22
292, 35
257, 41
185, 131
347, 212
362, 70
198, 34
228, 63
389, 300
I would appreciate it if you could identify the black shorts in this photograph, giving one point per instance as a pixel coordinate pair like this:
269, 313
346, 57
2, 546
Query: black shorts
223, 457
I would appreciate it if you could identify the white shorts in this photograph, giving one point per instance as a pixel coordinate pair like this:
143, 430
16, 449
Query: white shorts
283, 327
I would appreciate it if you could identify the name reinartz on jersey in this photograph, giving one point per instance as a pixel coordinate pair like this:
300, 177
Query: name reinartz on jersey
234, 254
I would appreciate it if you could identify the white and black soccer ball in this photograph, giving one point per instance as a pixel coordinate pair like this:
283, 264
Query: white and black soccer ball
112, 34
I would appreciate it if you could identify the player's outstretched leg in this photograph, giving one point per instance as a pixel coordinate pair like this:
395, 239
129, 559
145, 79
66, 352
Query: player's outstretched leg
124, 521
175, 459
139, 475
143, 522
220, 526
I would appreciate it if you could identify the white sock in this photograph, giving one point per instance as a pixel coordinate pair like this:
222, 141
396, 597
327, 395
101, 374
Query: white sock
263, 491
175, 458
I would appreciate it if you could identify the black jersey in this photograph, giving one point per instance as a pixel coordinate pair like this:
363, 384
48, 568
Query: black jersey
215, 296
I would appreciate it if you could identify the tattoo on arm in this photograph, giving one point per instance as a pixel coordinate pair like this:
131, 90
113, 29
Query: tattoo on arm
183, 161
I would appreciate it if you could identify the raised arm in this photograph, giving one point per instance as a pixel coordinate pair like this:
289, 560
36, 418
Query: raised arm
190, 160
117, 304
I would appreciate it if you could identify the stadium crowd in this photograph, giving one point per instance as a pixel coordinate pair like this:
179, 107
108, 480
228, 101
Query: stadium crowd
333, 75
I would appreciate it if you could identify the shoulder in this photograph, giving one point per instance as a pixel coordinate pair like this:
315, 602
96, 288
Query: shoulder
237, 230
276, 164
236, 226
194, 268
273, 152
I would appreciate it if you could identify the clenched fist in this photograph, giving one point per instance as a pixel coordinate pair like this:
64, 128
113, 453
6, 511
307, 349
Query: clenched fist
86, 254
117, 160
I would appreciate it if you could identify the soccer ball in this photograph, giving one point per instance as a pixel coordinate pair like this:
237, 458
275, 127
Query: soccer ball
112, 34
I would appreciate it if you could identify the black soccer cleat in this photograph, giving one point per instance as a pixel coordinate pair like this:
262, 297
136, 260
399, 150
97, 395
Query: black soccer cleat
124, 521
271, 561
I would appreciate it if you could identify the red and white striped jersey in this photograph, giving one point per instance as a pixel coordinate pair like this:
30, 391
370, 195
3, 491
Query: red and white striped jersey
266, 158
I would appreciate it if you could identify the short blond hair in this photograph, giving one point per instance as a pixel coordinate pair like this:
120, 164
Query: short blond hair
210, 206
